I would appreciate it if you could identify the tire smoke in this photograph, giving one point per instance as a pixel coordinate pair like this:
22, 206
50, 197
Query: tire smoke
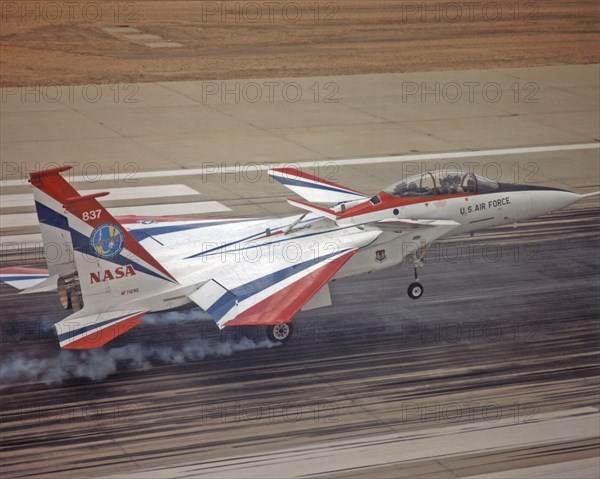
98, 364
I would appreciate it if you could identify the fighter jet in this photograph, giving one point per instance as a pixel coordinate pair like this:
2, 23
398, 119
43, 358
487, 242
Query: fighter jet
253, 272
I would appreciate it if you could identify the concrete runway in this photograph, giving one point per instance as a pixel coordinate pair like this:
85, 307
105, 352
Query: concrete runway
177, 125
493, 373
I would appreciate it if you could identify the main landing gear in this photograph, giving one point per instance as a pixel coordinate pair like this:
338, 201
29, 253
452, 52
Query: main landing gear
280, 333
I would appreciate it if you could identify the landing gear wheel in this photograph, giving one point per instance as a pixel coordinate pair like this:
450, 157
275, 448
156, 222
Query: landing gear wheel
416, 290
280, 333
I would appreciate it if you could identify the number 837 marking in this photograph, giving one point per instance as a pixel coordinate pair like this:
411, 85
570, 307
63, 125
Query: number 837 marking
91, 215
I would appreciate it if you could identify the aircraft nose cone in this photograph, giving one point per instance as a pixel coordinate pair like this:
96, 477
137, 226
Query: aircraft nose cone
553, 200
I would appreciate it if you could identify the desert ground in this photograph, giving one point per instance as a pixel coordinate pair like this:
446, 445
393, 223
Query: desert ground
58, 43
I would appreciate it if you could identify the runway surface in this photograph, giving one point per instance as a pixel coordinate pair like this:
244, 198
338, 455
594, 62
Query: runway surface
504, 341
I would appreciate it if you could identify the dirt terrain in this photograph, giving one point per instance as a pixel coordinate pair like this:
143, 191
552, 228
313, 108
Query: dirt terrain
48, 42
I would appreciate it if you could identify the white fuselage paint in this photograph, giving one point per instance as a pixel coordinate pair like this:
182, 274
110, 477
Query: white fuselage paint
246, 240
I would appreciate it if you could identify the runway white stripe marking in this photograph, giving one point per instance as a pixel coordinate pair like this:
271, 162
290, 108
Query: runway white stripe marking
116, 194
174, 209
503, 432
29, 241
580, 468
214, 169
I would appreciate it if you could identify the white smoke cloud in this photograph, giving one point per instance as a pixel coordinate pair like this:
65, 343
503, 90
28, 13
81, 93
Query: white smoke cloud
97, 364
171, 316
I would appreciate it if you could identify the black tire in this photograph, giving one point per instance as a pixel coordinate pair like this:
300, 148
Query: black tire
415, 290
280, 333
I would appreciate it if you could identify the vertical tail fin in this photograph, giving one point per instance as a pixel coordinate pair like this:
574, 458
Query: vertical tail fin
49, 189
106, 264
110, 261
105, 274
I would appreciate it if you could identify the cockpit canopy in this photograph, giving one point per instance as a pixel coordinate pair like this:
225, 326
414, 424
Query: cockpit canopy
441, 182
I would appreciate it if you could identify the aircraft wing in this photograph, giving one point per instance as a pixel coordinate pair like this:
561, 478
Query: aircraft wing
428, 230
436, 227
273, 289
398, 224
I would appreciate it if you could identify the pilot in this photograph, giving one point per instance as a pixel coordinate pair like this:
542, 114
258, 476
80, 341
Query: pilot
470, 185
411, 190
448, 185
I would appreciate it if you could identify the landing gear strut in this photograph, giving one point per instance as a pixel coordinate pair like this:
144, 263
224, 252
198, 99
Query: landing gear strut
280, 333
416, 289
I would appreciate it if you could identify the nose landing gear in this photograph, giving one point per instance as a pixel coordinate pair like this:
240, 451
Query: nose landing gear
416, 289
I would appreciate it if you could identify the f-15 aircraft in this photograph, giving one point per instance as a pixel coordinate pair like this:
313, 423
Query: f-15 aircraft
254, 272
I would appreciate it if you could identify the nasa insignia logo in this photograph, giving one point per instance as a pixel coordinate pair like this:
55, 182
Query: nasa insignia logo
107, 240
